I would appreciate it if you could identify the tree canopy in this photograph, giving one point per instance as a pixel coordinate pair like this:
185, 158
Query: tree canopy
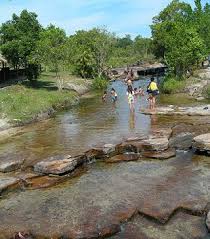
18, 38
181, 35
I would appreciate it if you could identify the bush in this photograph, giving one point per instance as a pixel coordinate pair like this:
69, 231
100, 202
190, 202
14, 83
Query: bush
99, 83
172, 85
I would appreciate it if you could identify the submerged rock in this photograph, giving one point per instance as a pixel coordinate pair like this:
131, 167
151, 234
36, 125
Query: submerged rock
202, 143
123, 157
181, 141
59, 165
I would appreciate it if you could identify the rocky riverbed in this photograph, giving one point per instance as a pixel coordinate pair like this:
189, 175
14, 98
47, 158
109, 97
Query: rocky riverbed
112, 191
150, 183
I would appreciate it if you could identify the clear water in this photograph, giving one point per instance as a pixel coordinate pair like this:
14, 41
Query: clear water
90, 123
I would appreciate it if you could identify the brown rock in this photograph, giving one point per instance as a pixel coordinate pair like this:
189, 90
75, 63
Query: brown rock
160, 155
59, 165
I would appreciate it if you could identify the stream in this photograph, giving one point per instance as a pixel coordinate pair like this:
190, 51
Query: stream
146, 199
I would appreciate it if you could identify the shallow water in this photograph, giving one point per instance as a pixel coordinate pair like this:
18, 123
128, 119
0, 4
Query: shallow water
90, 123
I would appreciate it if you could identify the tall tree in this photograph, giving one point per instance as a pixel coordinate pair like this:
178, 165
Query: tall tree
50, 49
18, 38
91, 51
176, 37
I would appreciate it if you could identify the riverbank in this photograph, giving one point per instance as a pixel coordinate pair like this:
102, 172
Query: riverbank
196, 86
27, 102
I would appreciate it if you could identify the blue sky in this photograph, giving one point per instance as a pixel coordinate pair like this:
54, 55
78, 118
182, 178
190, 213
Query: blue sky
120, 16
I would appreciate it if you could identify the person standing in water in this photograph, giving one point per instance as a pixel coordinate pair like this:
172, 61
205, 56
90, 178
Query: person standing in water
130, 99
153, 91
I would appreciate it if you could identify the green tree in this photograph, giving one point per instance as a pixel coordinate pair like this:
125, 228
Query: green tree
124, 41
90, 52
18, 38
202, 21
176, 37
184, 49
50, 49
143, 46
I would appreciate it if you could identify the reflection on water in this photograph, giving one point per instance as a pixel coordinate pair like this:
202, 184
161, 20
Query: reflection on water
91, 122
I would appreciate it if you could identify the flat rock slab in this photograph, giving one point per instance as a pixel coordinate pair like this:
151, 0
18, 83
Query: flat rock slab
123, 157
100, 201
173, 110
7, 182
181, 226
160, 155
59, 165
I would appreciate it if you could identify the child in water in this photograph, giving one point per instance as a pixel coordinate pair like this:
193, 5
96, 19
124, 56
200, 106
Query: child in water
113, 95
130, 99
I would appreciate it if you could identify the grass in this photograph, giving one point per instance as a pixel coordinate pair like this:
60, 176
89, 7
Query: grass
172, 85
23, 102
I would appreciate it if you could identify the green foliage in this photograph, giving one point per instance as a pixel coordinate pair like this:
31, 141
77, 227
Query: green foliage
90, 52
177, 36
50, 49
172, 85
99, 83
18, 38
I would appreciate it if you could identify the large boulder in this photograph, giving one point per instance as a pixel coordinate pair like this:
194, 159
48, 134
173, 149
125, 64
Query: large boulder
181, 141
202, 143
59, 165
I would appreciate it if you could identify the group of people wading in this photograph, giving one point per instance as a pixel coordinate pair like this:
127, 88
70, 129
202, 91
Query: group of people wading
132, 93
